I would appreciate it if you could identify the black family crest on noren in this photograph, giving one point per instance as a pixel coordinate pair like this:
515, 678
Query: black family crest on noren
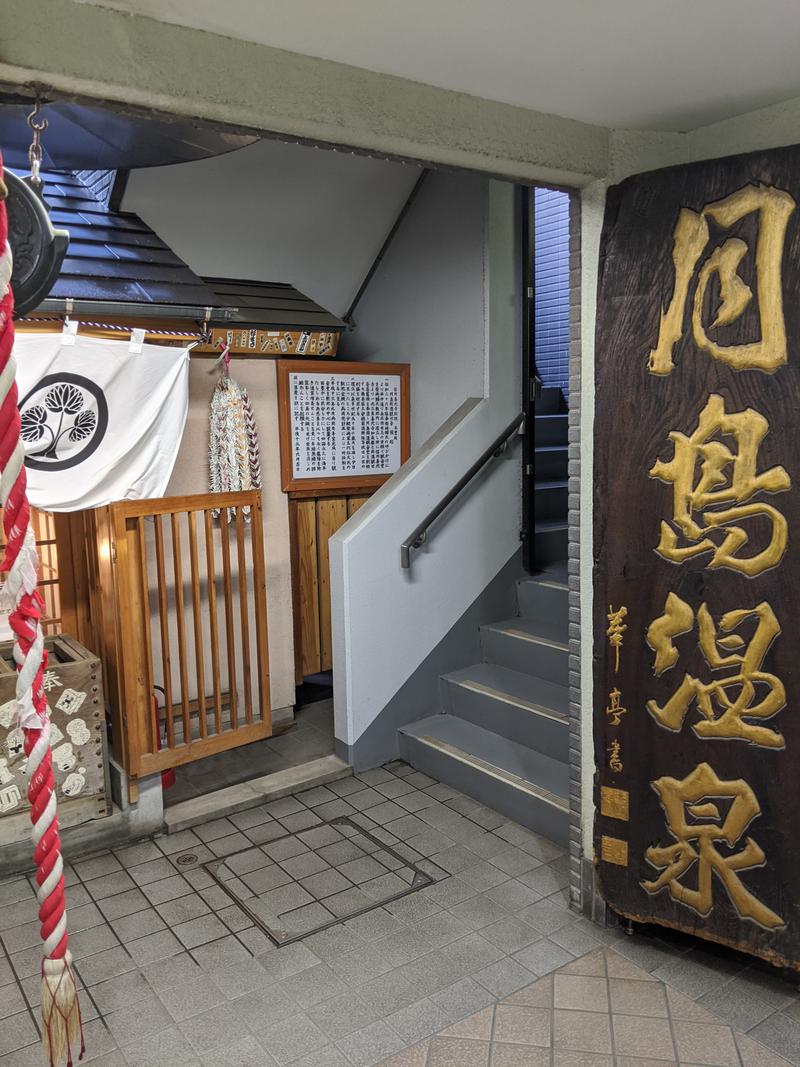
64, 418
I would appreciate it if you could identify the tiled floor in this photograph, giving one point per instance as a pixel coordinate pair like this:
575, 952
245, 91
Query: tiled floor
309, 738
307, 881
600, 1010
176, 974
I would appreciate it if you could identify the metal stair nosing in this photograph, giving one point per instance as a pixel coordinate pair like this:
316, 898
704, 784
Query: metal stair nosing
521, 650
543, 595
524, 721
524, 801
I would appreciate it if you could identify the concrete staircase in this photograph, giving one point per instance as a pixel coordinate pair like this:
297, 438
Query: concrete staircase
502, 734
550, 472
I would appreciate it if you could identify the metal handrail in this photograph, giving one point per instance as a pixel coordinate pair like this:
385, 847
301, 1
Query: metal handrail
497, 448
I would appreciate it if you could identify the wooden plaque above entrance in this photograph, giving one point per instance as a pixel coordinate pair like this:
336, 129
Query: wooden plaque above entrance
696, 569
342, 426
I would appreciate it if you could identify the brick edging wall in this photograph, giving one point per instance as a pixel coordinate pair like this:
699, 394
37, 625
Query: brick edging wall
573, 553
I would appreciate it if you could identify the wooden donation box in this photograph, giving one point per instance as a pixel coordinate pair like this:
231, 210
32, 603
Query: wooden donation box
74, 688
696, 563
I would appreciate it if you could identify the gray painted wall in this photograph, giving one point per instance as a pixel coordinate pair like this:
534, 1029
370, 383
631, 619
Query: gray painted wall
424, 304
276, 212
420, 695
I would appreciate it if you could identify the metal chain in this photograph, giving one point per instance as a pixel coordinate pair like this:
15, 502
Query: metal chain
35, 150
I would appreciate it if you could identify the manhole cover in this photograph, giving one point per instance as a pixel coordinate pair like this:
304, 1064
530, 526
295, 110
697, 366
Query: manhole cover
302, 883
186, 859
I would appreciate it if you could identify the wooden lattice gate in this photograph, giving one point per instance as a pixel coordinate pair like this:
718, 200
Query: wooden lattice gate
179, 598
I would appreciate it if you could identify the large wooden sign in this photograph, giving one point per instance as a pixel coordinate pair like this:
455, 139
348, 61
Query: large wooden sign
342, 424
697, 573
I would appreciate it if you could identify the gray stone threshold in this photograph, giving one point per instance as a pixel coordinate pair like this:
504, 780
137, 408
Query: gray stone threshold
236, 798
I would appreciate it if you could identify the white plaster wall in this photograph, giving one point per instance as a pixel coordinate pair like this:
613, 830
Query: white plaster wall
593, 199
424, 305
276, 212
385, 619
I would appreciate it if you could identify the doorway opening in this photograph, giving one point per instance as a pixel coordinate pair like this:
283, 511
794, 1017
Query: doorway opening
547, 300
342, 228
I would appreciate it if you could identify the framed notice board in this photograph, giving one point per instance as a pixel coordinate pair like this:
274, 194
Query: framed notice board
342, 425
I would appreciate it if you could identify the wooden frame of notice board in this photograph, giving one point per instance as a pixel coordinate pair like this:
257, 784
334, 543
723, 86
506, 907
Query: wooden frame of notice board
320, 485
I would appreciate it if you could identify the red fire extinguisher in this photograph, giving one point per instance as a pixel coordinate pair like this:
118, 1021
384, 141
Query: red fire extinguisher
167, 776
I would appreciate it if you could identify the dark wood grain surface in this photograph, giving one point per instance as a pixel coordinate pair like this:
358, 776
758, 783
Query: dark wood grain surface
635, 412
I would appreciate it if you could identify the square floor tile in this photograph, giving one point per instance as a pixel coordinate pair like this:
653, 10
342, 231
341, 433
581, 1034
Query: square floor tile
455, 1052
370, 1045
341, 1015
632, 997
648, 1037
542, 957
522, 1025
517, 1056
581, 1031
504, 977
292, 1038
705, 1043
17, 1031
580, 993
313, 985
199, 931
417, 1020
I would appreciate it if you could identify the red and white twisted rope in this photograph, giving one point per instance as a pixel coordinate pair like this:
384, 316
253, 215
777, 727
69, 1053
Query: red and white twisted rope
60, 1012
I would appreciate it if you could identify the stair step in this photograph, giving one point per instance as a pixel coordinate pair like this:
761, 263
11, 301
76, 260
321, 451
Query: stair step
530, 711
544, 597
524, 785
550, 541
556, 572
550, 429
550, 401
550, 500
550, 462
530, 646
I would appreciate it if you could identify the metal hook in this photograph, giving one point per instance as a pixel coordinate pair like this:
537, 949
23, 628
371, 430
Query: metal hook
31, 119
225, 358
35, 150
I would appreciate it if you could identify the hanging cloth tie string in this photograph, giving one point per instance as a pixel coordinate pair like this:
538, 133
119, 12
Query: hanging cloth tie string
234, 463
61, 1017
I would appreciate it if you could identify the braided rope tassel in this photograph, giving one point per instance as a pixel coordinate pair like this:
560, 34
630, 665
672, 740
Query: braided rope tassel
253, 451
61, 1017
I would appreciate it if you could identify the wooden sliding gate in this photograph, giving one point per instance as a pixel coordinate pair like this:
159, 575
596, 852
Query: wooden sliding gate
182, 597
313, 521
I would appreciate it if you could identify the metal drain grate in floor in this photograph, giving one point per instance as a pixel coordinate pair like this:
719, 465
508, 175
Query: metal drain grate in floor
301, 883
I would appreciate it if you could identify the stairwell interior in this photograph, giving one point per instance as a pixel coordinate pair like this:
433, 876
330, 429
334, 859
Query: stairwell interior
501, 734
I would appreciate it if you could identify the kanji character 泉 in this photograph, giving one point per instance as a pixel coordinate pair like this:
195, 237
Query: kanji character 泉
696, 823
